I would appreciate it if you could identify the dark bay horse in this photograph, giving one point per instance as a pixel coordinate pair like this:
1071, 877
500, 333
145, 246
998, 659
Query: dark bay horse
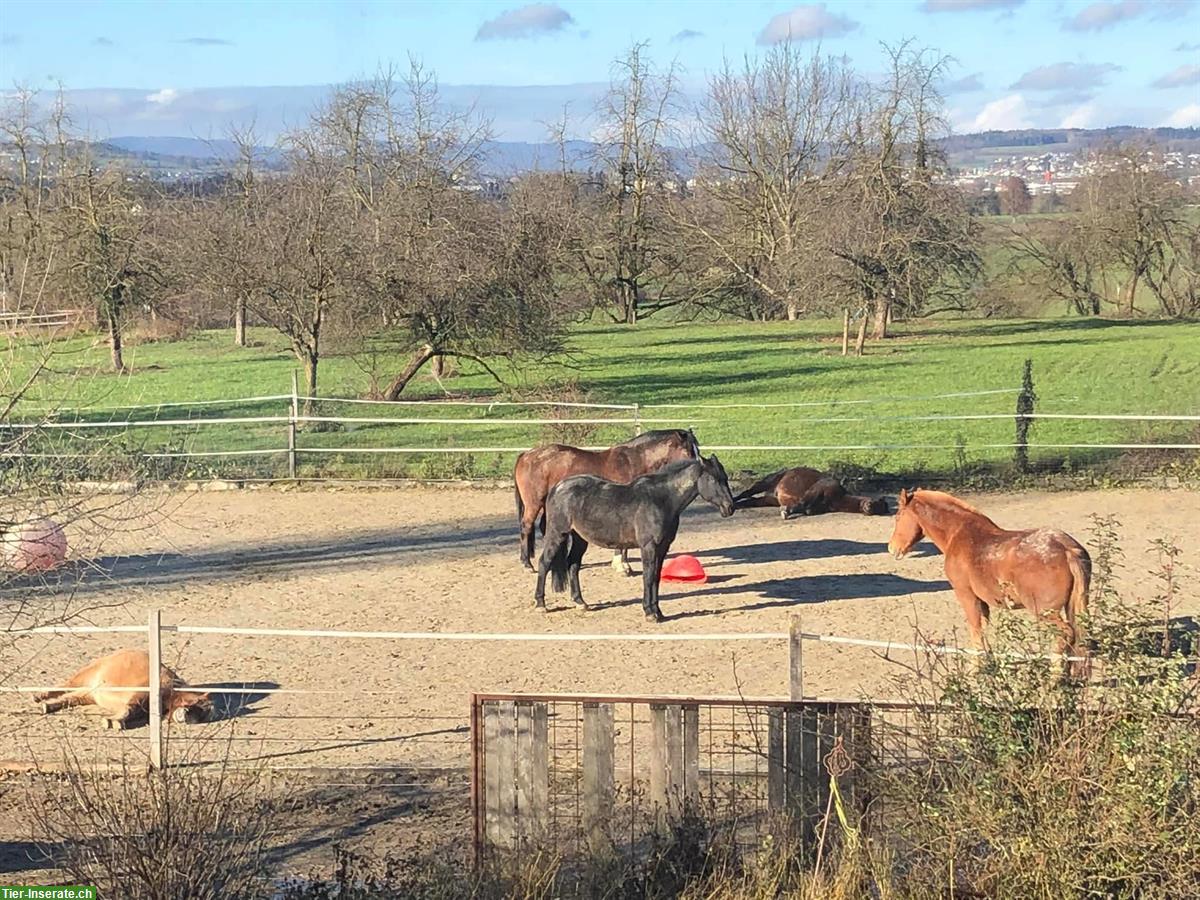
1045, 571
807, 492
645, 514
540, 469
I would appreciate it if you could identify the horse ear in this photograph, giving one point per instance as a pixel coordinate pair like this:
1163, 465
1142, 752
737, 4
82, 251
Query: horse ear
903, 498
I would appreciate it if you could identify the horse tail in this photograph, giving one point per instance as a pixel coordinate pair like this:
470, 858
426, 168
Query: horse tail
558, 566
520, 504
763, 484
1080, 565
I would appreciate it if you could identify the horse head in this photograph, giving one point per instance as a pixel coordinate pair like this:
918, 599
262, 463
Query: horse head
875, 507
713, 485
907, 530
189, 707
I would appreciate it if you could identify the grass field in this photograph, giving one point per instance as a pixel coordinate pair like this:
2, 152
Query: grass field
1080, 366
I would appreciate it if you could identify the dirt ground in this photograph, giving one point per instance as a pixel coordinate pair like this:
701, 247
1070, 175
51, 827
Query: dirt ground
445, 560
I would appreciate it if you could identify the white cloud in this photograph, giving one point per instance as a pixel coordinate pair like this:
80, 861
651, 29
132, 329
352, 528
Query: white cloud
165, 97
805, 22
1181, 77
1002, 115
967, 5
527, 21
1185, 117
1066, 75
1081, 117
1107, 13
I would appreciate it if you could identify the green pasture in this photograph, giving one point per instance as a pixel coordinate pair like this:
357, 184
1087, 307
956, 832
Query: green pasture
1080, 366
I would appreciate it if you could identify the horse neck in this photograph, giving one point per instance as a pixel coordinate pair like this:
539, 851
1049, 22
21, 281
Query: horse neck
684, 486
848, 503
943, 522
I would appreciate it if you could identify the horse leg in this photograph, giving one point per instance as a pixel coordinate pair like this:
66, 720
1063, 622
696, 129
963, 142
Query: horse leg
67, 700
975, 612
1066, 642
528, 538
651, 570
574, 561
550, 547
620, 562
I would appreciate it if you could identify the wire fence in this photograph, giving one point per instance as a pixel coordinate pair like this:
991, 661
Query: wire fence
574, 772
963, 436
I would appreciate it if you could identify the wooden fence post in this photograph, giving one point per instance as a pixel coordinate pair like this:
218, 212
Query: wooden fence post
154, 634
1025, 405
637, 418
598, 787
293, 414
845, 331
795, 659
861, 341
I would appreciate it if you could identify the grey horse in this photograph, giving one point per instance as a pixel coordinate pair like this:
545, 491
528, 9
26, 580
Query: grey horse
645, 514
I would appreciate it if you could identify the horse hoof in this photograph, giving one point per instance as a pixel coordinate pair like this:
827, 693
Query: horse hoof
528, 565
655, 617
46, 709
541, 607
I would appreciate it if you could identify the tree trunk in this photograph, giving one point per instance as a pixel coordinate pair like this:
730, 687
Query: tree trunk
239, 322
114, 342
880, 316
793, 311
861, 340
439, 366
310, 378
400, 382
1131, 291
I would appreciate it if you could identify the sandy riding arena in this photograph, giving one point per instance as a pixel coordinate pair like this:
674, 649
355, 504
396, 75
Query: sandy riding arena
445, 560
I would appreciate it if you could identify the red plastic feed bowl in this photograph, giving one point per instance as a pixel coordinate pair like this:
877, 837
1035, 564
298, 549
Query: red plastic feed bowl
684, 568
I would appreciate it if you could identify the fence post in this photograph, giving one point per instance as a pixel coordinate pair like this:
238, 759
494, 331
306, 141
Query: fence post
637, 418
862, 336
154, 633
1026, 400
795, 659
293, 414
845, 331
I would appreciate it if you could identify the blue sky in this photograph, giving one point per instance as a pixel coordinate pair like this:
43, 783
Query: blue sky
180, 68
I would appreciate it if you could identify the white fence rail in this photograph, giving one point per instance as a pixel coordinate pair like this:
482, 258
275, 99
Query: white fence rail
292, 419
154, 630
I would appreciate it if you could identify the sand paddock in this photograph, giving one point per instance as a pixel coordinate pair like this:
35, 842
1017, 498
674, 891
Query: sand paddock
379, 757
445, 560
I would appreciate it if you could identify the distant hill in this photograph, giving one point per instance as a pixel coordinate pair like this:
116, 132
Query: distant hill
1076, 137
504, 158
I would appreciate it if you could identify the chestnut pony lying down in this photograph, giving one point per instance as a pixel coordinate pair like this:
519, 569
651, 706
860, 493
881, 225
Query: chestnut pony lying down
94, 684
807, 492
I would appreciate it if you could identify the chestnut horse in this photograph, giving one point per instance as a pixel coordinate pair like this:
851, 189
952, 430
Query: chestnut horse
540, 469
1045, 571
806, 492
95, 683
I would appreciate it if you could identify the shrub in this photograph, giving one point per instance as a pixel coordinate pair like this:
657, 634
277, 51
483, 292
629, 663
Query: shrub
185, 832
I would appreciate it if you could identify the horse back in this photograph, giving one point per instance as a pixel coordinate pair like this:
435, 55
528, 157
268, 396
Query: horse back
1030, 567
540, 469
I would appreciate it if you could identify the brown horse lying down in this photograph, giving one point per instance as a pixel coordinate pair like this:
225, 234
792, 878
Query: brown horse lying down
541, 468
1045, 571
126, 669
807, 492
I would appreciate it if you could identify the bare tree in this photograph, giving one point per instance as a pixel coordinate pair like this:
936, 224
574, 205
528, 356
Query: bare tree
773, 130
907, 240
1014, 196
1128, 229
626, 252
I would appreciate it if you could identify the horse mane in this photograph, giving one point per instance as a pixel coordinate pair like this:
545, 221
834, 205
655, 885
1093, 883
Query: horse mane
650, 437
941, 497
